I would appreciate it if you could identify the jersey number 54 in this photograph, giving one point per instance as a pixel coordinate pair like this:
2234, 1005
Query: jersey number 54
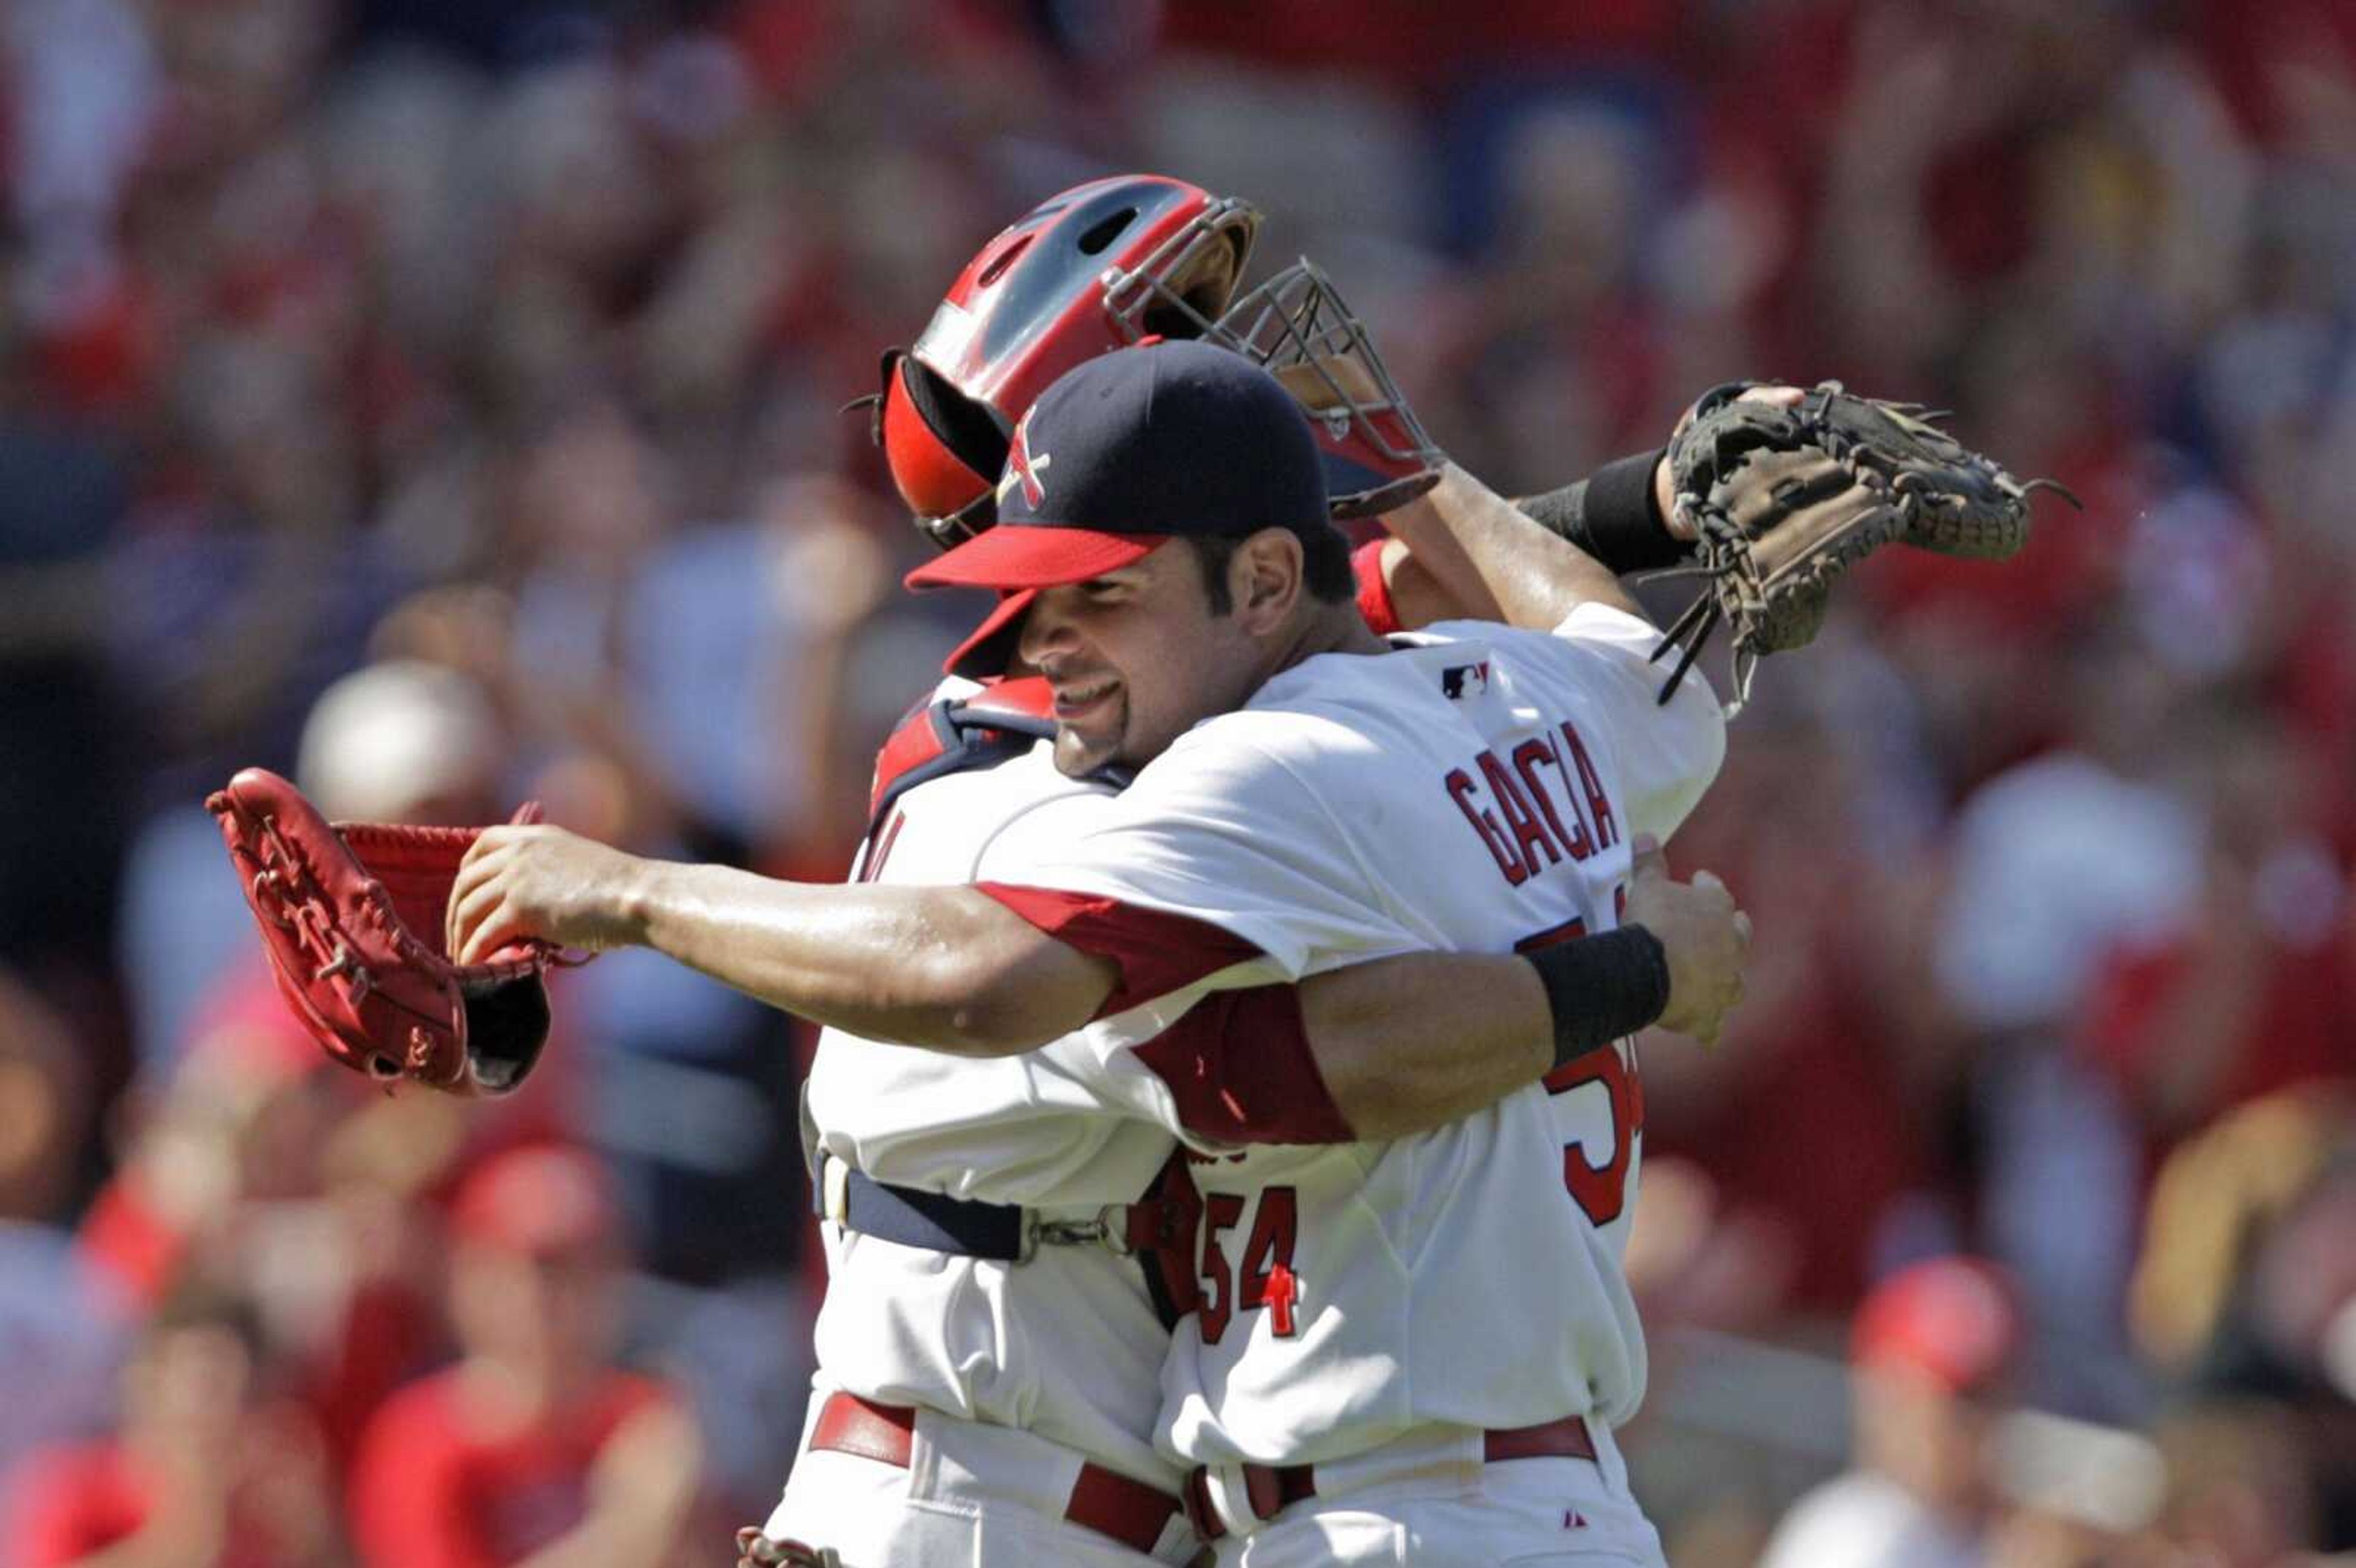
1265, 1277
1601, 1191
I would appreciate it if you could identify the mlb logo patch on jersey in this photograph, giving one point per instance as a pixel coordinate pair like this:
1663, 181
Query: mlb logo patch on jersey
1462, 680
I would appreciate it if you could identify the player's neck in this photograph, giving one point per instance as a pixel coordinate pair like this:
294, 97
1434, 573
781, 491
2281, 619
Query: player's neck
1327, 629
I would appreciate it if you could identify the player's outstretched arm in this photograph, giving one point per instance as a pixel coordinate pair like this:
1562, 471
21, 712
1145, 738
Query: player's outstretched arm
1463, 549
1403, 1043
1461, 552
946, 968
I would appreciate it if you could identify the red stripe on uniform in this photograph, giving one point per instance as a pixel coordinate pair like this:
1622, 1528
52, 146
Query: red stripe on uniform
1156, 953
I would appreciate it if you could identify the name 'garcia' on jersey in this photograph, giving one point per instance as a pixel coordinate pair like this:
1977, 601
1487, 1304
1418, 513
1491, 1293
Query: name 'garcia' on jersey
1521, 813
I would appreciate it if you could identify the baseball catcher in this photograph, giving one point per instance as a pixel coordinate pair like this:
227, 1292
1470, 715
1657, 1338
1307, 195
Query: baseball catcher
351, 915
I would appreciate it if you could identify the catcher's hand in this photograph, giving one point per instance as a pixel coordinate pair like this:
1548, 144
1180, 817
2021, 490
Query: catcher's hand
351, 916
1782, 496
536, 883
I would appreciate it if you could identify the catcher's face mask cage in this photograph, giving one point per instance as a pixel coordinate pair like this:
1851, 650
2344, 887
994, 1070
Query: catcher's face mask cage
1299, 327
1182, 286
1097, 268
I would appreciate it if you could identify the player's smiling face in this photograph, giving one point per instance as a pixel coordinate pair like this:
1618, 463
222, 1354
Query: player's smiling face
1136, 658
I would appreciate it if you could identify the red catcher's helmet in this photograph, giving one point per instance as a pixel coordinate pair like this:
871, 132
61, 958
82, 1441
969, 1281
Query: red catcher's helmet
1093, 269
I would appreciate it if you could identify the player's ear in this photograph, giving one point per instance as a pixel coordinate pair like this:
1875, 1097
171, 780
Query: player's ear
1265, 576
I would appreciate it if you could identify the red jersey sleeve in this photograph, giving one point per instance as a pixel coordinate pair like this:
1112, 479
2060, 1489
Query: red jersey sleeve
1239, 1067
1156, 953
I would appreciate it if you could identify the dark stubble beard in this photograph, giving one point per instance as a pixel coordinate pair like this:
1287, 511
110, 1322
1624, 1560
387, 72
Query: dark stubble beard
1076, 757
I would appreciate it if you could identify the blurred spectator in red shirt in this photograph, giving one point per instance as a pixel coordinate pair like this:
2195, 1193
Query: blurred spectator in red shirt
1931, 1348
208, 1469
2253, 989
1825, 1033
534, 1449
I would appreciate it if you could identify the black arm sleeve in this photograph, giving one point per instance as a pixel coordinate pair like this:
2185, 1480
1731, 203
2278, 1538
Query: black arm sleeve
1610, 514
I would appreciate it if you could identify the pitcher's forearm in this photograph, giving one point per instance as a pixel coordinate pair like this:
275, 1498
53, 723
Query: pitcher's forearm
1534, 578
945, 969
1416, 1041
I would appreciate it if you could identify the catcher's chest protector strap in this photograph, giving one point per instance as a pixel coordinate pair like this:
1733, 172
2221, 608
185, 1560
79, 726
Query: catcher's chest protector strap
957, 733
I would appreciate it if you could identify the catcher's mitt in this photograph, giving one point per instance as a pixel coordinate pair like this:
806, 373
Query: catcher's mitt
351, 915
1784, 500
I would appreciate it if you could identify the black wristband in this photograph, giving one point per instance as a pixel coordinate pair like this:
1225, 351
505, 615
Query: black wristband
1601, 987
1612, 516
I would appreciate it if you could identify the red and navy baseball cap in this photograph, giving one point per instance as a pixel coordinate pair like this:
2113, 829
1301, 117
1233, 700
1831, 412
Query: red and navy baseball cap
1121, 455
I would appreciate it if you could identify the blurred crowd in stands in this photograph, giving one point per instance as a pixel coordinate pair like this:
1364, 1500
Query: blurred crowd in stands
439, 401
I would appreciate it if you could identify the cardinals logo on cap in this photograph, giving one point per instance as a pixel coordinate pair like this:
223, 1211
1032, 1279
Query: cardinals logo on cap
1023, 469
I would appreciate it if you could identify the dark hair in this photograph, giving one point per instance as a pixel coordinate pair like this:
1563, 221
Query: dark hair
1324, 565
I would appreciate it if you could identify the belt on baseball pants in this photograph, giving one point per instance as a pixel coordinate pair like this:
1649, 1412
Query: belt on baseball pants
1002, 1232
1272, 1489
1103, 1500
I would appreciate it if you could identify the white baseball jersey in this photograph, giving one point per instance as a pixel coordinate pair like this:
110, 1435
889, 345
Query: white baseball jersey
1068, 1344
1476, 790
